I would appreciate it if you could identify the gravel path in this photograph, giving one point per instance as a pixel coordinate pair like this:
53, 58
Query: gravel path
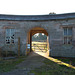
34, 60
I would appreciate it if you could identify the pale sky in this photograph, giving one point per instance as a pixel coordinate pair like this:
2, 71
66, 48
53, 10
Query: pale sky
36, 7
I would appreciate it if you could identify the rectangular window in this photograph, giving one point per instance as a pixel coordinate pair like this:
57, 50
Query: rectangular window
65, 31
70, 31
67, 35
10, 36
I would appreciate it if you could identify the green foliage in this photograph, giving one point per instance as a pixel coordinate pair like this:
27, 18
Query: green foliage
39, 37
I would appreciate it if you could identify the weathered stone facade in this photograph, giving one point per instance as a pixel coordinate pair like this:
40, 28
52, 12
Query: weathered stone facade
53, 24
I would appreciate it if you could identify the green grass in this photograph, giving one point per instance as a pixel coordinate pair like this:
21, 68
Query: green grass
68, 60
51, 68
8, 65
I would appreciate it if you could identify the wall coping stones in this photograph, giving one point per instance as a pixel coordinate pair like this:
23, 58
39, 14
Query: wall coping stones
37, 17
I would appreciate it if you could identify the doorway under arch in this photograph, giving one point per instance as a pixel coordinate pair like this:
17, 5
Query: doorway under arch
32, 32
39, 42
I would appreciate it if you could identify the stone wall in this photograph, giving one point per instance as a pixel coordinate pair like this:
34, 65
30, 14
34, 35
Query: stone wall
55, 33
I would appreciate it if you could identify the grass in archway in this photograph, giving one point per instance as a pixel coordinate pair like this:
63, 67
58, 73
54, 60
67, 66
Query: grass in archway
52, 68
8, 65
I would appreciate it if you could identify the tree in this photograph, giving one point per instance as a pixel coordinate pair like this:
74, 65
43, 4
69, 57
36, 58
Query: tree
39, 37
52, 13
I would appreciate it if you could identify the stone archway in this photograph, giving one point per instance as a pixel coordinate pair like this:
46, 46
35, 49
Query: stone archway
34, 31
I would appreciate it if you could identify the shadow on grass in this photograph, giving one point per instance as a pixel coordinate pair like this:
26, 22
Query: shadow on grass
68, 60
51, 66
9, 64
54, 66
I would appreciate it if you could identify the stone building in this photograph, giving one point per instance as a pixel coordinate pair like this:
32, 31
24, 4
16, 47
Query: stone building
59, 28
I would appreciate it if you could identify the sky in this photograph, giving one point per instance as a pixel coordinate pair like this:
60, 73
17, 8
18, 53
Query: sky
36, 7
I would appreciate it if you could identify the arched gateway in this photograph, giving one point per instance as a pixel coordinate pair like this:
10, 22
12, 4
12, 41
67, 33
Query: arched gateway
33, 31
60, 29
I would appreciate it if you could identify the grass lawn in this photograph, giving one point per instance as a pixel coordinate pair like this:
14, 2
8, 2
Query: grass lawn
52, 68
7, 65
68, 60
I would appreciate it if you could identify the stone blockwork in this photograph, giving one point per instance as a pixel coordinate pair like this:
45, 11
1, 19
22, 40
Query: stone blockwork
54, 29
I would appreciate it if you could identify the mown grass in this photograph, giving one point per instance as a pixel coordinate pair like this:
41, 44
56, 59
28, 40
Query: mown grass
52, 68
68, 60
8, 65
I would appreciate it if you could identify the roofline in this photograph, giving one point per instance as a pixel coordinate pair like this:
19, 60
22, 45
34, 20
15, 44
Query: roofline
37, 17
